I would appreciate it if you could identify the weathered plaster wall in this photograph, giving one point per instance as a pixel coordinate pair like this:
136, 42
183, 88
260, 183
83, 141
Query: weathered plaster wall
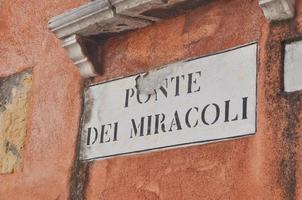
55, 101
264, 166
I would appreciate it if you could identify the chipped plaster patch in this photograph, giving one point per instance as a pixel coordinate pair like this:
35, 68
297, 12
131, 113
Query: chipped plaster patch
14, 93
150, 81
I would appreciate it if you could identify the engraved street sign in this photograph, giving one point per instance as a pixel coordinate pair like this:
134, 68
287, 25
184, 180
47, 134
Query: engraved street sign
293, 67
197, 101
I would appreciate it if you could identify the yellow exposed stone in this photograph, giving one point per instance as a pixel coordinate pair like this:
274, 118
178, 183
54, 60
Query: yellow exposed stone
13, 120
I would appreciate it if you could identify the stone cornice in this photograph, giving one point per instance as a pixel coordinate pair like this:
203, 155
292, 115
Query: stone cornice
94, 18
103, 18
80, 19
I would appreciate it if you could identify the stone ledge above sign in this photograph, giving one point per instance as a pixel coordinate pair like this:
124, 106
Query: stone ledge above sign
147, 9
100, 19
94, 18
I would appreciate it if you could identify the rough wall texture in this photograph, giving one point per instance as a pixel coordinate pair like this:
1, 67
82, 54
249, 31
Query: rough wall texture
14, 97
55, 101
264, 166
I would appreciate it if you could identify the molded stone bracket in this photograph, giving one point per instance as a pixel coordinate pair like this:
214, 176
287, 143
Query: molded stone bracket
78, 51
276, 10
76, 27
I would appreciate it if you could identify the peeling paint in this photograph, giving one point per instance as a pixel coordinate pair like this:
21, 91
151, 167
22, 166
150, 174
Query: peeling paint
10, 147
14, 92
150, 81
6, 88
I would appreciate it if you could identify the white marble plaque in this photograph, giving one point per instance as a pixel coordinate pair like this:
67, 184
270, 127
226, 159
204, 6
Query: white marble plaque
192, 102
293, 67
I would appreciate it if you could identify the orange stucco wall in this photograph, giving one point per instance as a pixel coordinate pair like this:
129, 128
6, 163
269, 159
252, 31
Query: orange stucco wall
264, 166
